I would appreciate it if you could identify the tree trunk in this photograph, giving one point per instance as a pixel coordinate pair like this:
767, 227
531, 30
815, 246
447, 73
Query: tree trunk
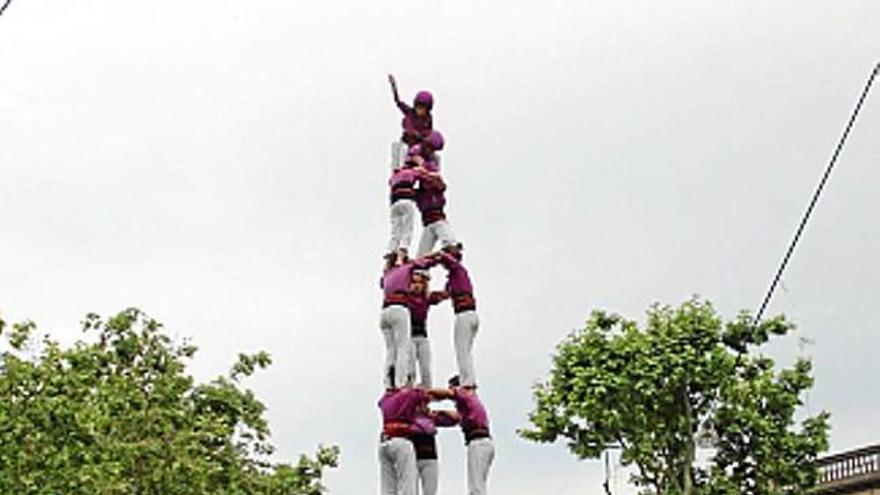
687, 482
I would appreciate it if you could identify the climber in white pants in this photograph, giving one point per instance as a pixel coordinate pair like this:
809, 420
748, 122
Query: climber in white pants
401, 408
474, 422
397, 456
460, 289
420, 301
395, 320
403, 209
430, 196
423, 439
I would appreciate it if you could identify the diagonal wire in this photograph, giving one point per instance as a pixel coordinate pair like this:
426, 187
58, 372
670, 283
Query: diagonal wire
809, 211
3, 7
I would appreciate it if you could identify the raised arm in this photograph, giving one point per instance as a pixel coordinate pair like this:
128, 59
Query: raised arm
406, 109
394, 93
393, 88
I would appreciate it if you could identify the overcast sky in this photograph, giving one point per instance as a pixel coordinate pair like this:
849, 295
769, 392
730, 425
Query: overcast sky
222, 166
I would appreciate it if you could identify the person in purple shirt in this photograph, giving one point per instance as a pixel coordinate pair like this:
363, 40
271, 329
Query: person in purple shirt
425, 155
474, 423
417, 122
395, 322
420, 301
461, 290
431, 202
397, 458
423, 439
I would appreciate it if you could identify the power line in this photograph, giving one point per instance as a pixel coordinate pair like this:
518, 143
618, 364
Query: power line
5, 4
812, 205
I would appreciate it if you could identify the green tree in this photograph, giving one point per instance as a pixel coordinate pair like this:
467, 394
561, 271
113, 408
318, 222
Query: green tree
119, 415
652, 391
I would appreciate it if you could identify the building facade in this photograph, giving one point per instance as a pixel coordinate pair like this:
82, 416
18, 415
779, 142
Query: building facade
856, 472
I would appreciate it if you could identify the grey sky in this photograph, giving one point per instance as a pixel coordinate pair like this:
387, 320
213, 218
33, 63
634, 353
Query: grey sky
222, 165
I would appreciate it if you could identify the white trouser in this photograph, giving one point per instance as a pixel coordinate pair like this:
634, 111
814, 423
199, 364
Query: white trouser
466, 326
395, 327
403, 215
397, 467
428, 474
439, 230
420, 352
480, 454
399, 150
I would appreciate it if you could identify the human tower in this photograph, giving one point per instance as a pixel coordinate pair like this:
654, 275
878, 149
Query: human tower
407, 449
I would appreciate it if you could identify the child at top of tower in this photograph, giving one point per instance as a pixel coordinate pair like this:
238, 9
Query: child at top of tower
417, 122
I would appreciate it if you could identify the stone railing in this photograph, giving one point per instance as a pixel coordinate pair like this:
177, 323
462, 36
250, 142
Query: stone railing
850, 471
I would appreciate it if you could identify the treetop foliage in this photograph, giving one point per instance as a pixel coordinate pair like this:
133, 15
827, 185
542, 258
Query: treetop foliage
652, 391
119, 415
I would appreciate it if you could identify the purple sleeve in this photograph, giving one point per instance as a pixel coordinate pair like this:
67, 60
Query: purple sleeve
417, 397
406, 109
444, 420
447, 260
426, 262
461, 402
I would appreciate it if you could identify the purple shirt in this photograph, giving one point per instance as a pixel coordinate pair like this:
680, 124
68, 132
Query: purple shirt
431, 193
397, 278
414, 126
430, 161
423, 424
418, 309
402, 404
427, 423
458, 281
473, 414
403, 175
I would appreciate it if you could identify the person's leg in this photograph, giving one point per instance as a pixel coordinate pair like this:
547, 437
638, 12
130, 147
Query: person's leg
408, 224
428, 474
403, 213
398, 154
428, 239
390, 347
405, 466
443, 231
466, 326
423, 354
413, 357
400, 325
480, 454
387, 477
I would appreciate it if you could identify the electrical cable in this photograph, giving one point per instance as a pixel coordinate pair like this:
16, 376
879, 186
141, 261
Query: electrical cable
812, 205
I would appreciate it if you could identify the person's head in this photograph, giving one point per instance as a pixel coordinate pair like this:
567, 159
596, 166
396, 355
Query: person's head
454, 381
390, 260
434, 142
414, 151
455, 250
418, 284
423, 103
